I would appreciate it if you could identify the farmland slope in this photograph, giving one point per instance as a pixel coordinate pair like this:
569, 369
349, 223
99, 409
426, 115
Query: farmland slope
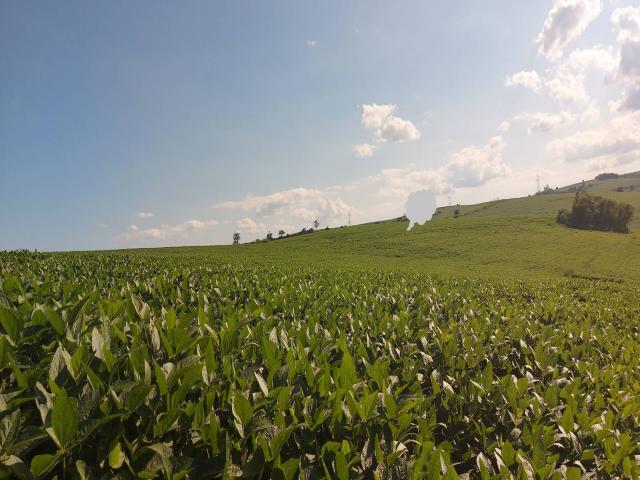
511, 238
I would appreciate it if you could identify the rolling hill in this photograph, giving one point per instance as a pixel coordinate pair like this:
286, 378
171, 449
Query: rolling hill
511, 238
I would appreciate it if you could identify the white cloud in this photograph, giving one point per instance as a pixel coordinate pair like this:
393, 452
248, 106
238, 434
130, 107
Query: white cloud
630, 99
311, 43
247, 225
144, 215
374, 115
567, 87
591, 114
398, 183
166, 231
526, 79
617, 143
297, 206
504, 127
597, 58
398, 130
545, 122
363, 150
566, 20
627, 23
473, 166
388, 127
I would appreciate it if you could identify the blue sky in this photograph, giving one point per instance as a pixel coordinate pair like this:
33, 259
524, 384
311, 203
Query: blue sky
164, 123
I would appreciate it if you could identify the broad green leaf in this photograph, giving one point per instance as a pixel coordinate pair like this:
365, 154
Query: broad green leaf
11, 323
116, 456
64, 418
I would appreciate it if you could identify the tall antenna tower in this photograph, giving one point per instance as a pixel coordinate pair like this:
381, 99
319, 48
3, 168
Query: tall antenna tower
449, 199
349, 218
538, 183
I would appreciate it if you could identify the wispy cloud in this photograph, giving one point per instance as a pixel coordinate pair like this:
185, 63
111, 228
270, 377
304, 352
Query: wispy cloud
363, 150
144, 215
134, 232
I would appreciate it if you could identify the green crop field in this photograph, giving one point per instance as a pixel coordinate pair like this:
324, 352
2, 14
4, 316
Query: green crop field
469, 347
514, 238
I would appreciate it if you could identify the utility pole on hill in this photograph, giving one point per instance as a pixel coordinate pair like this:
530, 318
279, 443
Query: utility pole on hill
349, 218
538, 183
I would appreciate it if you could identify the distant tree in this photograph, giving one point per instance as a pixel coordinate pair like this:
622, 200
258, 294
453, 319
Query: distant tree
281, 233
456, 212
597, 213
607, 176
236, 238
269, 236
316, 224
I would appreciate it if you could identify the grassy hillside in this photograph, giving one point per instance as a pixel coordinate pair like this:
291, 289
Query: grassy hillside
514, 238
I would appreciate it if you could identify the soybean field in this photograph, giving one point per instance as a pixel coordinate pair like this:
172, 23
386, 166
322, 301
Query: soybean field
115, 365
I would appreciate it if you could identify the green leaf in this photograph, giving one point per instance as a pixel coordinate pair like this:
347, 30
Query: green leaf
342, 468
573, 473
161, 381
64, 418
286, 471
136, 397
116, 456
11, 323
242, 411
43, 464
279, 441
566, 422
56, 321
508, 453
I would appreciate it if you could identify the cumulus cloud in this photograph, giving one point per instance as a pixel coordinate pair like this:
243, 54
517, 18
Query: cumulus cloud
248, 225
473, 166
397, 183
526, 79
504, 127
374, 115
144, 215
591, 114
563, 85
387, 127
598, 58
630, 99
627, 24
566, 20
469, 167
134, 232
545, 122
617, 143
567, 87
298, 204
363, 150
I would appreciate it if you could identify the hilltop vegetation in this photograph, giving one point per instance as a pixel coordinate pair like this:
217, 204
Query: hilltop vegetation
592, 212
122, 366
513, 238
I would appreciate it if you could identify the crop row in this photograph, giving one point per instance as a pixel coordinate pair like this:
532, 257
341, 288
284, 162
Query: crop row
118, 366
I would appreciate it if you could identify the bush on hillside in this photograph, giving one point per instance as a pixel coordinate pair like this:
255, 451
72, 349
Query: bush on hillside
607, 176
592, 212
